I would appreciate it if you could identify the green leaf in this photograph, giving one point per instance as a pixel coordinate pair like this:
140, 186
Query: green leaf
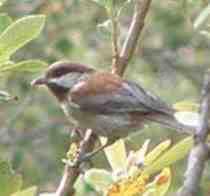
24, 66
32, 191
177, 152
5, 21
202, 18
20, 33
98, 179
9, 181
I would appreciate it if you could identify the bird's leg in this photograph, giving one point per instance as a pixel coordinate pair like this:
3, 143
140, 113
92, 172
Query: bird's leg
89, 155
74, 160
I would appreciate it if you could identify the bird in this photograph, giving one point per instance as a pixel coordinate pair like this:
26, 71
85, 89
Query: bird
104, 102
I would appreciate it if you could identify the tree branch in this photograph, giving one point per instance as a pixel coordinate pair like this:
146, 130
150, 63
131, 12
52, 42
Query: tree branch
129, 46
200, 152
71, 173
119, 65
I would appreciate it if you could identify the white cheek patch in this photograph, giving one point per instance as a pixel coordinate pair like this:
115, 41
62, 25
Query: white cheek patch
65, 81
78, 86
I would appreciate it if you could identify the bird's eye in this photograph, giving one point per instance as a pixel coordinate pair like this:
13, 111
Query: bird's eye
58, 73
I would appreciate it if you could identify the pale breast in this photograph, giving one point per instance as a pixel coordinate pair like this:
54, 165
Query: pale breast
112, 125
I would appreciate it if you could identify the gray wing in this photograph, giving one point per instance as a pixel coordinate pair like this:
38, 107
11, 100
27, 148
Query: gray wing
150, 100
130, 97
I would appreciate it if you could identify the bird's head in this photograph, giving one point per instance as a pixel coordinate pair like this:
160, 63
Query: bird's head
60, 77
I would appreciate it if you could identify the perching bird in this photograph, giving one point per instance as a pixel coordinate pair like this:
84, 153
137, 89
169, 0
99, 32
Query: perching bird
104, 102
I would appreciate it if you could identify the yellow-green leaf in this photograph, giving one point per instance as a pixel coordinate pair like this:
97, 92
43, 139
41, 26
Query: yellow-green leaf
116, 155
177, 152
156, 152
186, 106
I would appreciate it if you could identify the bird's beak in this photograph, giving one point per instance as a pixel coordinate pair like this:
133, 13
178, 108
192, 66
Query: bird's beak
39, 81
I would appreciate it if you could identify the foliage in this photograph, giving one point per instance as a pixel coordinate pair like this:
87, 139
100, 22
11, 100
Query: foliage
19, 33
171, 62
134, 175
13, 36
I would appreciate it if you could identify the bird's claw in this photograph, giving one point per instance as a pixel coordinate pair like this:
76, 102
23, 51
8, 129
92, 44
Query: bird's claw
76, 162
85, 158
88, 156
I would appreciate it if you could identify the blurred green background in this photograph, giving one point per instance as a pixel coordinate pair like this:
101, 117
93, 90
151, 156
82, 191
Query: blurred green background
170, 61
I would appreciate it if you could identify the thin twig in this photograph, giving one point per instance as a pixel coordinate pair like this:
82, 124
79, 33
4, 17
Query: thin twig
115, 50
72, 172
129, 46
200, 152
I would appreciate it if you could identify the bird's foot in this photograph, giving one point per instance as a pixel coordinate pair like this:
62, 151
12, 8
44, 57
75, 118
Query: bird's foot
80, 159
88, 156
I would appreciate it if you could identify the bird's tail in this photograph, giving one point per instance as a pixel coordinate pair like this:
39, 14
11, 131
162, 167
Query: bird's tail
171, 122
